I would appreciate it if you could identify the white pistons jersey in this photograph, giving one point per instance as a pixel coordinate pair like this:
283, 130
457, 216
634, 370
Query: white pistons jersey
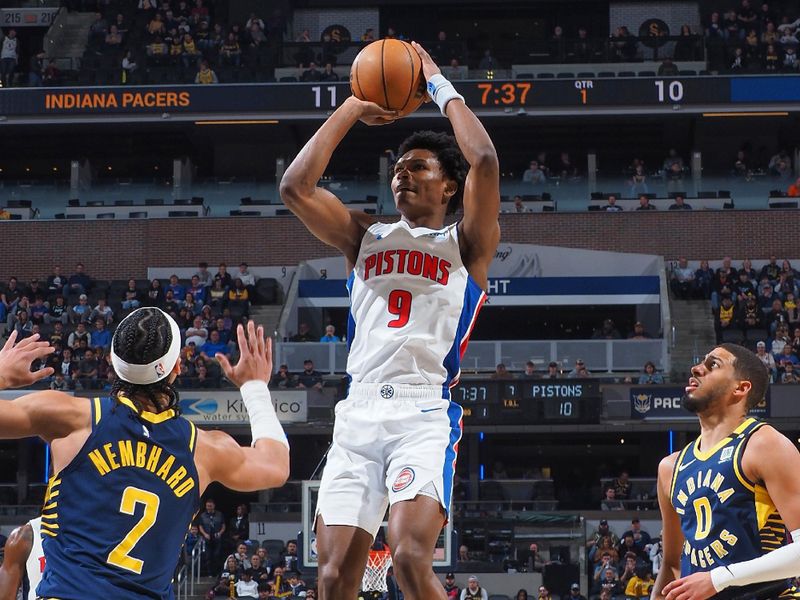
413, 307
34, 566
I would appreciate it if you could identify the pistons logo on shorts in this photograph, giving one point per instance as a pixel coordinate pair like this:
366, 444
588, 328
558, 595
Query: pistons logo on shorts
387, 392
404, 479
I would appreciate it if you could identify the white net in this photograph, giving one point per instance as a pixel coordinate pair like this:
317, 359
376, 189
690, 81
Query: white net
378, 564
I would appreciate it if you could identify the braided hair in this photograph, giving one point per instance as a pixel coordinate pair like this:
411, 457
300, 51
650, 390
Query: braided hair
141, 339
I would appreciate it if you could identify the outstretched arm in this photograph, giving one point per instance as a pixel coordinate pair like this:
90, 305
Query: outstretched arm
322, 212
15, 361
266, 463
479, 227
17, 549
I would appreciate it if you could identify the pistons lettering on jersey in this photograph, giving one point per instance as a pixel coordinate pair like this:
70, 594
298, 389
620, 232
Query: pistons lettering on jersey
412, 262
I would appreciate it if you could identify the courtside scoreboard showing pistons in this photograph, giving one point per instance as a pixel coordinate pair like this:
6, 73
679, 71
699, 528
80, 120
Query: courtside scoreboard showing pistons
443, 555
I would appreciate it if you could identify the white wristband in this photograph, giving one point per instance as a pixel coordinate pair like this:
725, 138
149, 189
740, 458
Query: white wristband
783, 563
442, 91
263, 420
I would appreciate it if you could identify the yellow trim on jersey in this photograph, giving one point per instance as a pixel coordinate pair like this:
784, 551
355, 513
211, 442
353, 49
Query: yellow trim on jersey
50, 525
50, 506
50, 533
147, 416
765, 507
743, 479
98, 411
705, 455
50, 516
676, 470
192, 436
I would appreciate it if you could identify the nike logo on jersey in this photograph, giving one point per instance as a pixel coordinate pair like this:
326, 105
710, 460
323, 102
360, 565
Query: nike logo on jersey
427, 410
682, 467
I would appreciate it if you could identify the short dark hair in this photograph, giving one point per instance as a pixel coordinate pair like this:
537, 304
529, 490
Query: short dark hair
450, 158
749, 367
140, 339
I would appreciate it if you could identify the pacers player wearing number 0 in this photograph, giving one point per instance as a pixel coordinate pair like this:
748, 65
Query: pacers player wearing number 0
129, 471
728, 499
415, 288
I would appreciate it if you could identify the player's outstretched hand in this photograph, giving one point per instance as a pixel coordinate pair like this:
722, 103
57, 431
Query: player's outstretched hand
373, 114
255, 357
429, 66
697, 586
15, 361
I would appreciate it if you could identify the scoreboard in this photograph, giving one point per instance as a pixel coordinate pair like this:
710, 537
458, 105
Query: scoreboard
316, 100
529, 402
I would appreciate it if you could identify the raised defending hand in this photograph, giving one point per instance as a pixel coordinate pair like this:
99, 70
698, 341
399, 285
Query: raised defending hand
255, 357
15, 361
429, 66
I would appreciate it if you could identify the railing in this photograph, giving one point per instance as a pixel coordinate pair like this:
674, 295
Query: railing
181, 582
194, 565
483, 356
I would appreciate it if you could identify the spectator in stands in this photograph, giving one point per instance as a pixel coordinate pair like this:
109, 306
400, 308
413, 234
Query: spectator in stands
650, 375
330, 334
248, 279
780, 166
231, 52
87, 372
309, 378
171, 306
196, 334
575, 592
536, 562
640, 537
639, 332
790, 374
580, 371
776, 317
772, 60
223, 276
222, 587
607, 583
767, 297
739, 61
312, 73
56, 282
725, 318
79, 282
778, 342
303, 334
204, 74
627, 570
680, 204
241, 557
217, 296
791, 63
667, 68
744, 288
214, 346
103, 311
720, 288
608, 331
644, 203
198, 292
282, 379
641, 584
611, 204
130, 297
212, 527
682, 279
239, 296
603, 530
9, 57
703, 280
328, 74
80, 333
771, 270
610, 501
750, 316
786, 357
81, 311
178, 290
246, 588
792, 310
553, 372
622, 486
473, 591
530, 371
101, 337
501, 372
768, 360
38, 311
534, 175
451, 590
22, 325
565, 169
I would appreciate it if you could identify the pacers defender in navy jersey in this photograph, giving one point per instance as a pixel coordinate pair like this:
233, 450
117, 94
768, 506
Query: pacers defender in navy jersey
416, 287
730, 500
129, 470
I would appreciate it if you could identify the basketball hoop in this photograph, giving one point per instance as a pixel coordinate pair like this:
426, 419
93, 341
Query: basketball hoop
378, 564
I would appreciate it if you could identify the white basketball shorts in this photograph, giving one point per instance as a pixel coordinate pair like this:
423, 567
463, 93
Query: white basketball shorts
389, 442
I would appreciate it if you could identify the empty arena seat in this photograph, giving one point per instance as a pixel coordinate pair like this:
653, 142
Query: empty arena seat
154, 201
783, 204
273, 547
676, 194
95, 203
290, 79
707, 194
18, 204
647, 73
123, 202
105, 215
626, 74
282, 212
74, 202
181, 213
687, 73
606, 74
138, 214
585, 75
76, 216
524, 75
733, 336
545, 76
772, 194
565, 75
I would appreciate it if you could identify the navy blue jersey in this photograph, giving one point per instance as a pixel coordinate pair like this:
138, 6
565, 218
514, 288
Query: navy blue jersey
114, 519
725, 517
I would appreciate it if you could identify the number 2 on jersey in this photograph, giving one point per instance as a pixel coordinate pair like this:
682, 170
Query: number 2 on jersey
120, 555
399, 305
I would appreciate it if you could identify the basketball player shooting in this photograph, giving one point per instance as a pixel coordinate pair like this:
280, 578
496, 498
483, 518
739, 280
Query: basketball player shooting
728, 498
129, 471
415, 287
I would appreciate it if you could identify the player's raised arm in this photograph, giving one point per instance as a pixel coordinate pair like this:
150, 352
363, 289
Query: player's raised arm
16, 359
482, 187
17, 549
266, 463
671, 533
321, 211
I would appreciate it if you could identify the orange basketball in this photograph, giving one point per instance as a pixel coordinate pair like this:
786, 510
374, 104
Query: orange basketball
389, 73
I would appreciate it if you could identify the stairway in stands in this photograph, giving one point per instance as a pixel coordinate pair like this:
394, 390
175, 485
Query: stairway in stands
71, 37
694, 335
267, 315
